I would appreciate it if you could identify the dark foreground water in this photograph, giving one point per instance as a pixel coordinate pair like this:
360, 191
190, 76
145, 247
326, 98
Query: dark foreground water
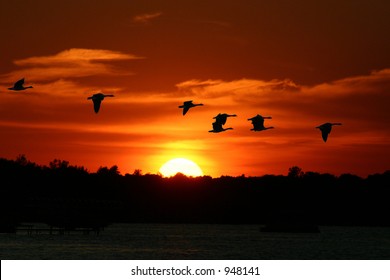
193, 241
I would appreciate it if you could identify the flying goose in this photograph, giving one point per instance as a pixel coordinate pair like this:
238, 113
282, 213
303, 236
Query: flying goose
19, 85
217, 127
221, 118
258, 123
326, 129
187, 105
97, 99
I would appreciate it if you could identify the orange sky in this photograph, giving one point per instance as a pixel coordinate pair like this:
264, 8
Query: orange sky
302, 62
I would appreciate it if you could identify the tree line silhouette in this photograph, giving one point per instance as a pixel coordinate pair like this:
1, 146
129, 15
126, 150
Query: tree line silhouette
70, 196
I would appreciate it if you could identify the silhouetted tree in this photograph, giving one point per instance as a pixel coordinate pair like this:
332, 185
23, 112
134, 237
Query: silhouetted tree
113, 170
22, 160
70, 195
59, 164
137, 172
295, 172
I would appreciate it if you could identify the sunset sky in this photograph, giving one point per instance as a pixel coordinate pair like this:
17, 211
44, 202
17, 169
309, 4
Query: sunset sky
302, 62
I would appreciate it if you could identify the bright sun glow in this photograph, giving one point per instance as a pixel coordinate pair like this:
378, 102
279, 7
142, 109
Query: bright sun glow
182, 165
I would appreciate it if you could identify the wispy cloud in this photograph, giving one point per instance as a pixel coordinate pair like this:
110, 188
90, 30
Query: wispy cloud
376, 82
218, 88
146, 18
70, 64
76, 56
359, 100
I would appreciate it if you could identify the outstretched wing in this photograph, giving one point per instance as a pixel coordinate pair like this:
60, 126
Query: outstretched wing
324, 135
185, 109
325, 130
96, 105
19, 84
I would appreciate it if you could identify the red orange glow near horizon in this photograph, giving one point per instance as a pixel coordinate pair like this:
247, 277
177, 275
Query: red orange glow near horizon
304, 64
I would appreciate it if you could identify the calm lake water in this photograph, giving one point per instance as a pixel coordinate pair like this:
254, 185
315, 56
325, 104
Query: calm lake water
193, 241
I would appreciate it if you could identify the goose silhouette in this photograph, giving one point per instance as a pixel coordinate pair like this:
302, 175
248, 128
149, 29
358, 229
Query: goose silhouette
221, 118
187, 105
258, 123
217, 127
19, 85
326, 128
97, 99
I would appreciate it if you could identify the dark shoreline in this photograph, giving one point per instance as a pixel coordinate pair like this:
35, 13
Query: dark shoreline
69, 196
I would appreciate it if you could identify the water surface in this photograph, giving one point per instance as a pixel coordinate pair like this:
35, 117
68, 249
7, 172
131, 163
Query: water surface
200, 241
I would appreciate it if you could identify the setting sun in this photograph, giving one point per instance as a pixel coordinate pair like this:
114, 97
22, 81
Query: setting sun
180, 165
